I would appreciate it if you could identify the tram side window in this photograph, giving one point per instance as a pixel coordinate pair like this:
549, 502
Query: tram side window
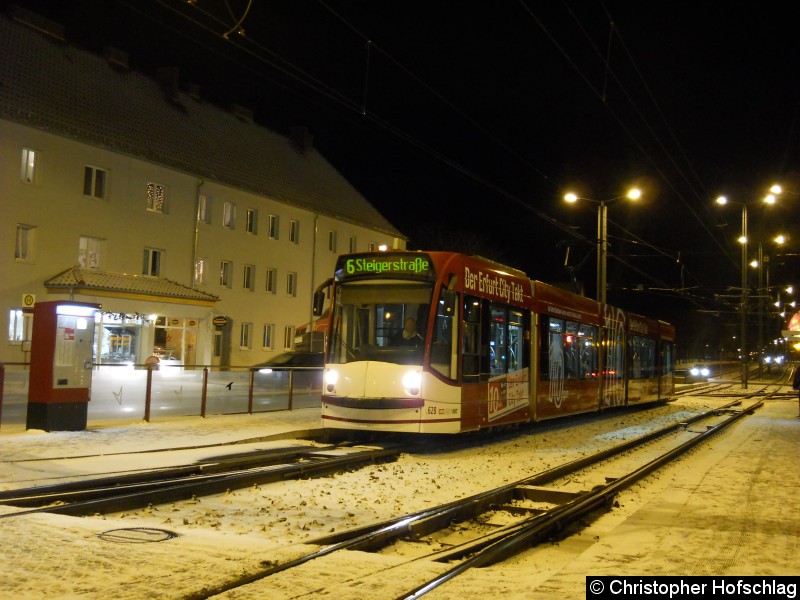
571, 352
587, 336
445, 336
668, 359
471, 343
506, 340
642, 353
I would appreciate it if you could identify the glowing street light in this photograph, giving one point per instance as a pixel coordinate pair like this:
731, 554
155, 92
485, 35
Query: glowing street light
722, 201
602, 234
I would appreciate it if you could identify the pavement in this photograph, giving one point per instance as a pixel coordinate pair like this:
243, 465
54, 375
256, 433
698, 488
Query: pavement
733, 513
34, 457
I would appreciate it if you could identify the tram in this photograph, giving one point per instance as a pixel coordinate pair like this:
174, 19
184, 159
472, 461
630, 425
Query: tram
442, 342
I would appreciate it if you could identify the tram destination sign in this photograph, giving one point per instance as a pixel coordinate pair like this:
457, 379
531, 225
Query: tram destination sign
385, 264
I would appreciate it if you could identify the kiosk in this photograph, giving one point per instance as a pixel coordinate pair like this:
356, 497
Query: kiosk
61, 365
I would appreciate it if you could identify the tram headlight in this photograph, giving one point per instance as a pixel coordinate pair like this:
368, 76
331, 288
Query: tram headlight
412, 381
331, 377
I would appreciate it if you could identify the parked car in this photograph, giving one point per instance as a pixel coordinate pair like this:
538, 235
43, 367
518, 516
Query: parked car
287, 360
302, 369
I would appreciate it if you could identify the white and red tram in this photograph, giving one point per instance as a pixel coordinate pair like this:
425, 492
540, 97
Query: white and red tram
440, 342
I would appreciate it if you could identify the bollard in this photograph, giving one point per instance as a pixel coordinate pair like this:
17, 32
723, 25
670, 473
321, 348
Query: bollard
205, 390
2, 386
291, 387
250, 392
148, 392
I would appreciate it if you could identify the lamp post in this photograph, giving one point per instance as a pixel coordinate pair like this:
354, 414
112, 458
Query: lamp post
722, 200
602, 235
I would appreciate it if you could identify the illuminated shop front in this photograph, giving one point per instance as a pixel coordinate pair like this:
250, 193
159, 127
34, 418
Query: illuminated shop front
142, 317
132, 338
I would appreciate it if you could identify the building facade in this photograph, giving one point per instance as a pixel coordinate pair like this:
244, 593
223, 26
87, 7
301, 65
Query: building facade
202, 234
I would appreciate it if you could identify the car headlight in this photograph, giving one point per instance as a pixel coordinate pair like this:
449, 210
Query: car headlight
694, 371
705, 372
412, 381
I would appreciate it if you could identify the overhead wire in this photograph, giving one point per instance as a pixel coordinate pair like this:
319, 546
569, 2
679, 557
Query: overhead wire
301, 76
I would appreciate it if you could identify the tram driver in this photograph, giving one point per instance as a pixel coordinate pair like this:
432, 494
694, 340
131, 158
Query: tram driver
408, 336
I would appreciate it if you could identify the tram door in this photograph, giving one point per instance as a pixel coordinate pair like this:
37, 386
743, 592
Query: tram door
495, 373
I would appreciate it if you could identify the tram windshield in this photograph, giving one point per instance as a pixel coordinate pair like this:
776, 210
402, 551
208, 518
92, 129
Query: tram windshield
382, 321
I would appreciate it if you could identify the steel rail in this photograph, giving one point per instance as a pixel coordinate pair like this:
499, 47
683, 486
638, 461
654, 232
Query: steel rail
173, 491
383, 533
543, 525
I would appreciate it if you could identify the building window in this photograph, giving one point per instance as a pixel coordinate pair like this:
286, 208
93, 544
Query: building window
249, 277
156, 198
274, 227
28, 170
332, 241
251, 223
288, 337
294, 231
19, 326
246, 336
226, 273
204, 209
200, 267
291, 284
372, 246
94, 182
89, 252
229, 215
25, 244
272, 280
151, 264
268, 337
353, 244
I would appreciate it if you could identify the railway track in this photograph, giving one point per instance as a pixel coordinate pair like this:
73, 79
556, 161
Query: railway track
538, 512
158, 486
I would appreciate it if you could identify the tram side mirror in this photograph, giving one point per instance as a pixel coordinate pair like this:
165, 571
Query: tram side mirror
319, 302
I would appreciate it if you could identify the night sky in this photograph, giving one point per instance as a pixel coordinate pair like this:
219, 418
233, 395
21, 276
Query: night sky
466, 122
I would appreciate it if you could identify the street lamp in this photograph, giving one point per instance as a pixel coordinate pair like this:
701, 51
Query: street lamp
723, 200
602, 234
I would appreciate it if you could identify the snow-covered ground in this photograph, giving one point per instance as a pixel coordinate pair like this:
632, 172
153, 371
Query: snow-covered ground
732, 512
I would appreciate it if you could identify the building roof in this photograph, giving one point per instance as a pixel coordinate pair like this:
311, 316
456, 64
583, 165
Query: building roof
49, 85
123, 285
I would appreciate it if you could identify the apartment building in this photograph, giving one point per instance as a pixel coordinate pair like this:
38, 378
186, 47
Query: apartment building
200, 233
